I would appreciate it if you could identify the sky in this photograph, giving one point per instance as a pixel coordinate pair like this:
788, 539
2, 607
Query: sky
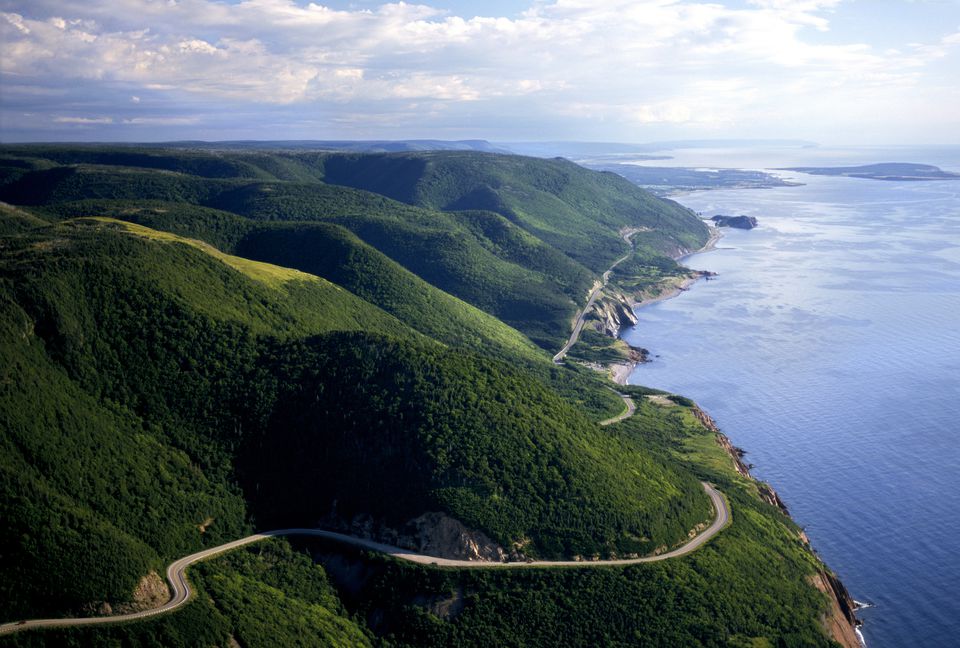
830, 71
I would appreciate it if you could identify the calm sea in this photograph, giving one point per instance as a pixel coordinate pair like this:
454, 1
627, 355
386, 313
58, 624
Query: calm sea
829, 349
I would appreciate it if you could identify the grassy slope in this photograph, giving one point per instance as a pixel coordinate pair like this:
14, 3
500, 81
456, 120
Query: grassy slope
334, 252
531, 276
86, 313
539, 298
14, 220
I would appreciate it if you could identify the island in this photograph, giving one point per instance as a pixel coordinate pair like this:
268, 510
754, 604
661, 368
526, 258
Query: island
899, 171
738, 222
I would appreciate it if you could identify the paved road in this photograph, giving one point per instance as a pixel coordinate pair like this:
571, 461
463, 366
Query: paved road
591, 298
627, 413
177, 576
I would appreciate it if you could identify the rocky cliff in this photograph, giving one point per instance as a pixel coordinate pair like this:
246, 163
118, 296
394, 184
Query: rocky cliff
434, 534
841, 621
610, 313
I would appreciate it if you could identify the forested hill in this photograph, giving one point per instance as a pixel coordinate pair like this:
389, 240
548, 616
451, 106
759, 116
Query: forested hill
522, 239
580, 212
197, 344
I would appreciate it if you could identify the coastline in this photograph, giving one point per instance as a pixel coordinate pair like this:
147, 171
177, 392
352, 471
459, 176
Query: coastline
619, 372
840, 622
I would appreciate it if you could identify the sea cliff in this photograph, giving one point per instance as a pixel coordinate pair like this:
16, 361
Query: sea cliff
841, 621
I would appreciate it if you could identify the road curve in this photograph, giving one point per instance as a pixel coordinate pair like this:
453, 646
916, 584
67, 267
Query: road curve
627, 413
177, 571
591, 298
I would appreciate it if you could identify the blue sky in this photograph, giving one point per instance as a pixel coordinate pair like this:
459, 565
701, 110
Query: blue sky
833, 71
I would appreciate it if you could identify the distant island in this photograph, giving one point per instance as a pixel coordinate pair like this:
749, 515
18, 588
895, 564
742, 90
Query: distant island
738, 222
885, 171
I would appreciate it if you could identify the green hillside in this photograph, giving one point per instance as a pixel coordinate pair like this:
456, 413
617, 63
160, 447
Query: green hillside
442, 249
196, 344
577, 211
118, 352
333, 252
123, 341
522, 239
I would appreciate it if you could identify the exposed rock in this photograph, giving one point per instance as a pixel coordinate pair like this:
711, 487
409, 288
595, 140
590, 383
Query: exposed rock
768, 495
611, 312
738, 222
638, 355
151, 592
434, 534
444, 536
711, 425
840, 622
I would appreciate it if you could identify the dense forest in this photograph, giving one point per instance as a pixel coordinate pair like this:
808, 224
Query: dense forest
195, 344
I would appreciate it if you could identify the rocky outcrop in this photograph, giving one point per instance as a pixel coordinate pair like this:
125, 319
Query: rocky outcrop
738, 222
438, 534
768, 495
735, 453
150, 593
610, 313
841, 621
433, 533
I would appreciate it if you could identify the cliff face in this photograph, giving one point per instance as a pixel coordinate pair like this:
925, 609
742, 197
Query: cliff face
841, 621
438, 534
611, 313
434, 533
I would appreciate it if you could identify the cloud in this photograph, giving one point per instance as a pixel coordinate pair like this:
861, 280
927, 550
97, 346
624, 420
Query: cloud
627, 63
83, 120
162, 121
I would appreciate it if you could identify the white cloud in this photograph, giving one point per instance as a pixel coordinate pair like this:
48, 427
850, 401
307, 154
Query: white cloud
162, 121
83, 120
628, 62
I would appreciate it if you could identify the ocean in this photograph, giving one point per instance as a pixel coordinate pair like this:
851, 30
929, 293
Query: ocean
829, 349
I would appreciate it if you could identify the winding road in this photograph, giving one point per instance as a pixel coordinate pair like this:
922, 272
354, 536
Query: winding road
591, 298
627, 413
177, 571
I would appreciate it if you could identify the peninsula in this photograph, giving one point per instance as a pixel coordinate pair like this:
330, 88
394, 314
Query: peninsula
896, 171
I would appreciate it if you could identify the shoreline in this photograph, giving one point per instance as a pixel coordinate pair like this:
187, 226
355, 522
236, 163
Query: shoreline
619, 372
840, 622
